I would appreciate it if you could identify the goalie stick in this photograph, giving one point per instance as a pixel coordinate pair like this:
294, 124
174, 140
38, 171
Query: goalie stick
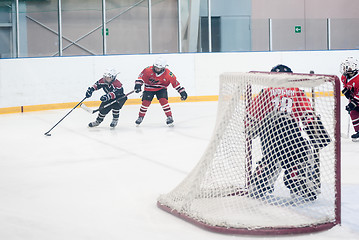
87, 109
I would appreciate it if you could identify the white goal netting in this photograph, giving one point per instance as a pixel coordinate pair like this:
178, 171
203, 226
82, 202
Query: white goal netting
272, 163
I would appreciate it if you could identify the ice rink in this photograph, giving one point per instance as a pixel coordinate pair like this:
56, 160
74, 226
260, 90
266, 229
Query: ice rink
101, 183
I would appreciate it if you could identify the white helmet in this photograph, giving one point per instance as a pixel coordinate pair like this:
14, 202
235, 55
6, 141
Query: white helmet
350, 65
110, 73
160, 63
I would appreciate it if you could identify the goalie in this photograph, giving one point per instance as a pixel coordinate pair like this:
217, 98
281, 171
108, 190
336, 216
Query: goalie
276, 116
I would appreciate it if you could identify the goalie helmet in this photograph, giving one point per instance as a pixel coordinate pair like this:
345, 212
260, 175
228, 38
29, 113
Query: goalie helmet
281, 68
349, 66
110, 75
159, 65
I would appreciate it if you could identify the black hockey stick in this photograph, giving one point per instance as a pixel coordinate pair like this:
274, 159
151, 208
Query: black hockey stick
48, 132
87, 109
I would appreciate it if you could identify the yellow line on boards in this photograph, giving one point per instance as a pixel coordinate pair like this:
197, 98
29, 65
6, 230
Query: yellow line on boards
137, 101
54, 106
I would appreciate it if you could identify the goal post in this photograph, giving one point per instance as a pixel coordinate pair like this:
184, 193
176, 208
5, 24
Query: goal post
272, 165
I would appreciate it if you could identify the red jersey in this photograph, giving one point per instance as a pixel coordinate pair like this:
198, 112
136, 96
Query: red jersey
353, 85
156, 82
287, 100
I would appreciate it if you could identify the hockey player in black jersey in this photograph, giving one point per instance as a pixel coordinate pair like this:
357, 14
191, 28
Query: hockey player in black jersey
113, 91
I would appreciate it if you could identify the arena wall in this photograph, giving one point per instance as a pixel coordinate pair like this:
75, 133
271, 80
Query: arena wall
29, 84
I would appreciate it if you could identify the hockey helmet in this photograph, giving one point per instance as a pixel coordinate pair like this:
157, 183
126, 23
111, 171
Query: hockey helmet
281, 68
349, 66
159, 65
110, 74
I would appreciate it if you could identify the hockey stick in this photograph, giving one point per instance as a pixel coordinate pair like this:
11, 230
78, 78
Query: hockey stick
48, 132
87, 109
346, 135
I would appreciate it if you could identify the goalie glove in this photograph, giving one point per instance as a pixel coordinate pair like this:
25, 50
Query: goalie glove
317, 133
347, 93
89, 92
350, 107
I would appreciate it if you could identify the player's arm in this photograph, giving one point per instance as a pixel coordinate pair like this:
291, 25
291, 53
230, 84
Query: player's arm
347, 93
317, 133
139, 82
91, 89
176, 85
314, 126
116, 93
354, 102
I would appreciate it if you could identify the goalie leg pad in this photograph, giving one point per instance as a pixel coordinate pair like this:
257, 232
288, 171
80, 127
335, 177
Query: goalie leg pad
296, 180
262, 181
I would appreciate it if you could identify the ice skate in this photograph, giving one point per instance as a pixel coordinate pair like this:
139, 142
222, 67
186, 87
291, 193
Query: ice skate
169, 121
94, 124
114, 123
355, 137
139, 120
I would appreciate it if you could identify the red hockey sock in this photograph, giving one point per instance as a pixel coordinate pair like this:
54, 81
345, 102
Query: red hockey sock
165, 106
355, 119
143, 109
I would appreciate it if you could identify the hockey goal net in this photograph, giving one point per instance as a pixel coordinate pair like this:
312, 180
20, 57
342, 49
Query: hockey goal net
273, 163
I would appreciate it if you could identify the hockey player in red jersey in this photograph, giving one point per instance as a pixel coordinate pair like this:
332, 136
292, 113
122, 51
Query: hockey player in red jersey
156, 79
113, 90
350, 79
275, 116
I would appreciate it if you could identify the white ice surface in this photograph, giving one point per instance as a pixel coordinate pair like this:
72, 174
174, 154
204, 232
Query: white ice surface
102, 183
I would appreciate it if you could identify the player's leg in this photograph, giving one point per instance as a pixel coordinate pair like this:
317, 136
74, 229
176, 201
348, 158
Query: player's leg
264, 177
162, 97
116, 111
302, 174
101, 115
268, 169
354, 114
146, 102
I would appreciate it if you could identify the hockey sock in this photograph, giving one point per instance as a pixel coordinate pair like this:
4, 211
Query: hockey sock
144, 107
165, 106
115, 113
100, 117
355, 119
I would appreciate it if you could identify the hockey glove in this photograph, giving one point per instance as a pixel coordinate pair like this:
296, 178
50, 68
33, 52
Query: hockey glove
350, 107
317, 133
183, 95
105, 98
137, 88
89, 92
182, 92
347, 93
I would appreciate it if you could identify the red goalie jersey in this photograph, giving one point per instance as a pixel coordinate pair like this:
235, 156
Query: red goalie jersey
285, 100
156, 82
